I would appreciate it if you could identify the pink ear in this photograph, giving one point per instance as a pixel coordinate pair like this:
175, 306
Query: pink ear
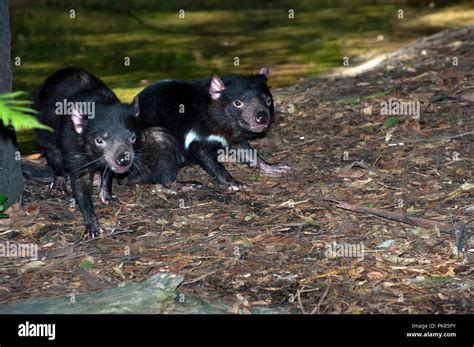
136, 107
265, 71
216, 87
78, 121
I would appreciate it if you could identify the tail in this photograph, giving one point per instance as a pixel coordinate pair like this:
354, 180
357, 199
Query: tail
36, 173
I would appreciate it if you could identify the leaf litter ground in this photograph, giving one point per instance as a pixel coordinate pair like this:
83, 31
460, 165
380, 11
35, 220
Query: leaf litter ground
396, 191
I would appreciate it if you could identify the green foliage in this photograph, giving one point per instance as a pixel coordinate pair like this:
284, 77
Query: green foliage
3, 198
440, 279
378, 95
390, 121
86, 264
352, 101
17, 114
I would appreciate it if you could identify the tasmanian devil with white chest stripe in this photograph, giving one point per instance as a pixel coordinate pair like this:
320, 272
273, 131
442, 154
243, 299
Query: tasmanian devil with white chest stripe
192, 122
92, 133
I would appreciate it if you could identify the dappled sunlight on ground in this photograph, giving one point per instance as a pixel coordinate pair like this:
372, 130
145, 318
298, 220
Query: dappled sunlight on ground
161, 46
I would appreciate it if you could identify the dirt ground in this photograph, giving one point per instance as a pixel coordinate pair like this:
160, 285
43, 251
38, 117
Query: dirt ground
410, 179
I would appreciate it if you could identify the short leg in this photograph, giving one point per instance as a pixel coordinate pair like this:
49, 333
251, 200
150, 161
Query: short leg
261, 163
105, 194
58, 186
165, 172
54, 159
207, 157
82, 190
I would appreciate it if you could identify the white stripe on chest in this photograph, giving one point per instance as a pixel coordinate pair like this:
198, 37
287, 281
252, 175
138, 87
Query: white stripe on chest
192, 136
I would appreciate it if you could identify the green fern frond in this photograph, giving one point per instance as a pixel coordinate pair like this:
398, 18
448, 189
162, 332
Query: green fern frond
17, 114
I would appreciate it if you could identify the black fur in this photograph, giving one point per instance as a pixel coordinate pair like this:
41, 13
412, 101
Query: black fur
72, 149
206, 107
157, 157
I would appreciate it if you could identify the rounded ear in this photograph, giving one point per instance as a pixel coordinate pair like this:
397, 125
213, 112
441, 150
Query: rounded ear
136, 107
216, 87
265, 71
79, 121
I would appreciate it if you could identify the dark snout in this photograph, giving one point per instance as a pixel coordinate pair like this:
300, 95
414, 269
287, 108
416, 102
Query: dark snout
124, 159
121, 161
262, 118
257, 121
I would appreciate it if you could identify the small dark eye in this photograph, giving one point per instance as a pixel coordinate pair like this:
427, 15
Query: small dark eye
269, 101
133, 138
237, 103
99, 141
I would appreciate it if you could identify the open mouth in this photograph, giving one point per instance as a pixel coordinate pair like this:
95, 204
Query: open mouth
259, 128
120, 169
254, 127
120, 161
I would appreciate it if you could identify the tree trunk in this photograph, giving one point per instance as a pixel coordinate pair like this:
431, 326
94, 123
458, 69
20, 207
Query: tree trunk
11, 183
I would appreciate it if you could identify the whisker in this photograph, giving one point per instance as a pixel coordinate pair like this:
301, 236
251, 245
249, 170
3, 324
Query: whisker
140, 169
86, 165
143, 166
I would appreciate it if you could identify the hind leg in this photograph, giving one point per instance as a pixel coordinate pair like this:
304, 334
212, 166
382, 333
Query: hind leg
167, 176
161, 169
164, 173
54, 159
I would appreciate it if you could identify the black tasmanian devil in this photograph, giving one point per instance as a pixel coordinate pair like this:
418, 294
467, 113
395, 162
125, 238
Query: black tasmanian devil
92, 133
193, 122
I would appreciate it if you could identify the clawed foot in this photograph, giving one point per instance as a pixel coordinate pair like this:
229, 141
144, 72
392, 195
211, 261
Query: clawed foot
94, 230
236, 186
275, 169
106, 197
58, 187
185, 186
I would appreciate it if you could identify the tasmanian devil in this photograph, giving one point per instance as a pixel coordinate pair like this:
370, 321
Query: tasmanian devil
92, 133
194, 121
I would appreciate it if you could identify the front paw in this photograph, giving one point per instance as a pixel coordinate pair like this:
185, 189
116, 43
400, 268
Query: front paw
106, 197
93, 230
58, 187
274, 168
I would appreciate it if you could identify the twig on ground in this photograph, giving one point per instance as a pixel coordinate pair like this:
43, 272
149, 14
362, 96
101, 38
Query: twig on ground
316, 309
397, 217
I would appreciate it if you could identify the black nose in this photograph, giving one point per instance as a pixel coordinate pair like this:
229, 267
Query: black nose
124, 159
262, 117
